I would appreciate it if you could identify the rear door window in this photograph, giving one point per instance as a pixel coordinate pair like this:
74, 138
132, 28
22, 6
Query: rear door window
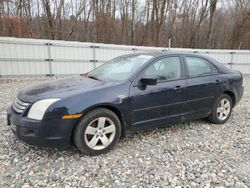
198, 67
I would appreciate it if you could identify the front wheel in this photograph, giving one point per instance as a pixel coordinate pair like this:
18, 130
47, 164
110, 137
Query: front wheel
97, 132
221, 109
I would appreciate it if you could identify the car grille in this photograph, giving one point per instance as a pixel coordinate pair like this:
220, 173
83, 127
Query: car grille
19, 106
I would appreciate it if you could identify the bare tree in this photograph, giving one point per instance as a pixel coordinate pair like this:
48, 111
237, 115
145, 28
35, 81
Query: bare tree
202, 16
82, 8
189, 23
212, 9
50, 19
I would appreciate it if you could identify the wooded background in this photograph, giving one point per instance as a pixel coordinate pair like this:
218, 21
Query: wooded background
221, 24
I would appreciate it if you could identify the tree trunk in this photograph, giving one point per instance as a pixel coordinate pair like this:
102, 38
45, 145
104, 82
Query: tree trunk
213, 4
50, 19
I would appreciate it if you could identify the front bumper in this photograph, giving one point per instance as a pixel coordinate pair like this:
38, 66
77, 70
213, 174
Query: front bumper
54, 132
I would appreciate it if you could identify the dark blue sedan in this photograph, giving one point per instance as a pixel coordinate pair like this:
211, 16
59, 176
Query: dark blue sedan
126, 94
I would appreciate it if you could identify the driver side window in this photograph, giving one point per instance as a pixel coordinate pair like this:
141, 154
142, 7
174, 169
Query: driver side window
165, 69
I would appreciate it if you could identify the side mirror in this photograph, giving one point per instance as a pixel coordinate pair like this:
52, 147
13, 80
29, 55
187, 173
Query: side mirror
148, 81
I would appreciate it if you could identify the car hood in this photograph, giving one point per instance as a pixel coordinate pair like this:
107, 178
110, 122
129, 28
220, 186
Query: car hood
62, 88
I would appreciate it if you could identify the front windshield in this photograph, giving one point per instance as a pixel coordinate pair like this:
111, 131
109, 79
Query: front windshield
119, 69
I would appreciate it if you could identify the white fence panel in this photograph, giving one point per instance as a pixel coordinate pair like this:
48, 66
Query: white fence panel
19, 57
71, 58
48, 57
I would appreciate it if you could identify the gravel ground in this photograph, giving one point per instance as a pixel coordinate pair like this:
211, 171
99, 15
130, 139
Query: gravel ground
192, 154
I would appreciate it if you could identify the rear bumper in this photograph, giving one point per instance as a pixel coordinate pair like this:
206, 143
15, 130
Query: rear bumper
48, 132
240, 92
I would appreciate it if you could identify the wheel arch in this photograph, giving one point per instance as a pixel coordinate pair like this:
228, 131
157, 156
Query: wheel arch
113, 109
232, 95
107, 106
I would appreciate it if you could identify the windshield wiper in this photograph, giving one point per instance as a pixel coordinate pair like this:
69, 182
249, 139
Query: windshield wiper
93, 77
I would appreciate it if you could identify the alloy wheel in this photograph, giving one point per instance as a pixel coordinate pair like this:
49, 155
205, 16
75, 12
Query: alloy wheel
223, 109
100, 133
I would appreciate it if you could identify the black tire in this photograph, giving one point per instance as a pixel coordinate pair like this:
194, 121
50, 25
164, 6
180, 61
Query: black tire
213, 117
79, 132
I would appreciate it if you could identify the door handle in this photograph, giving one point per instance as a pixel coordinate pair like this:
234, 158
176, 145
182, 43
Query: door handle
177, 87
217, 81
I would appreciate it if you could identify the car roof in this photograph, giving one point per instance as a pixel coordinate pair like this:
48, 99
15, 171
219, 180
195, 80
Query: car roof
219, 65
177, 53
156, 53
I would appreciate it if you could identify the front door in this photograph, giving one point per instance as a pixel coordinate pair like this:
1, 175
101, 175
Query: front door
157, 104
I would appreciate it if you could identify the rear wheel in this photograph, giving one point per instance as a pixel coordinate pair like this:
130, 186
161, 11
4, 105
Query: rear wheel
221, 109
97, 132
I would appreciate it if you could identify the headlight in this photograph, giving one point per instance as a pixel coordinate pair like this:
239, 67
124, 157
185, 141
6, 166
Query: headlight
39, 108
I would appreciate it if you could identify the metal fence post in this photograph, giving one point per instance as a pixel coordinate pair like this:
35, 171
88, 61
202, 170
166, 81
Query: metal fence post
134, 50
94, 60
49, 60
94, 57
231, 59
169, 44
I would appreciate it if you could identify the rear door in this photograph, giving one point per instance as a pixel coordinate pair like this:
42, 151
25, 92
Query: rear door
202, 86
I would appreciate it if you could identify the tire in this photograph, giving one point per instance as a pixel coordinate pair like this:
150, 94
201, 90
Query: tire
97, 132
220, 114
